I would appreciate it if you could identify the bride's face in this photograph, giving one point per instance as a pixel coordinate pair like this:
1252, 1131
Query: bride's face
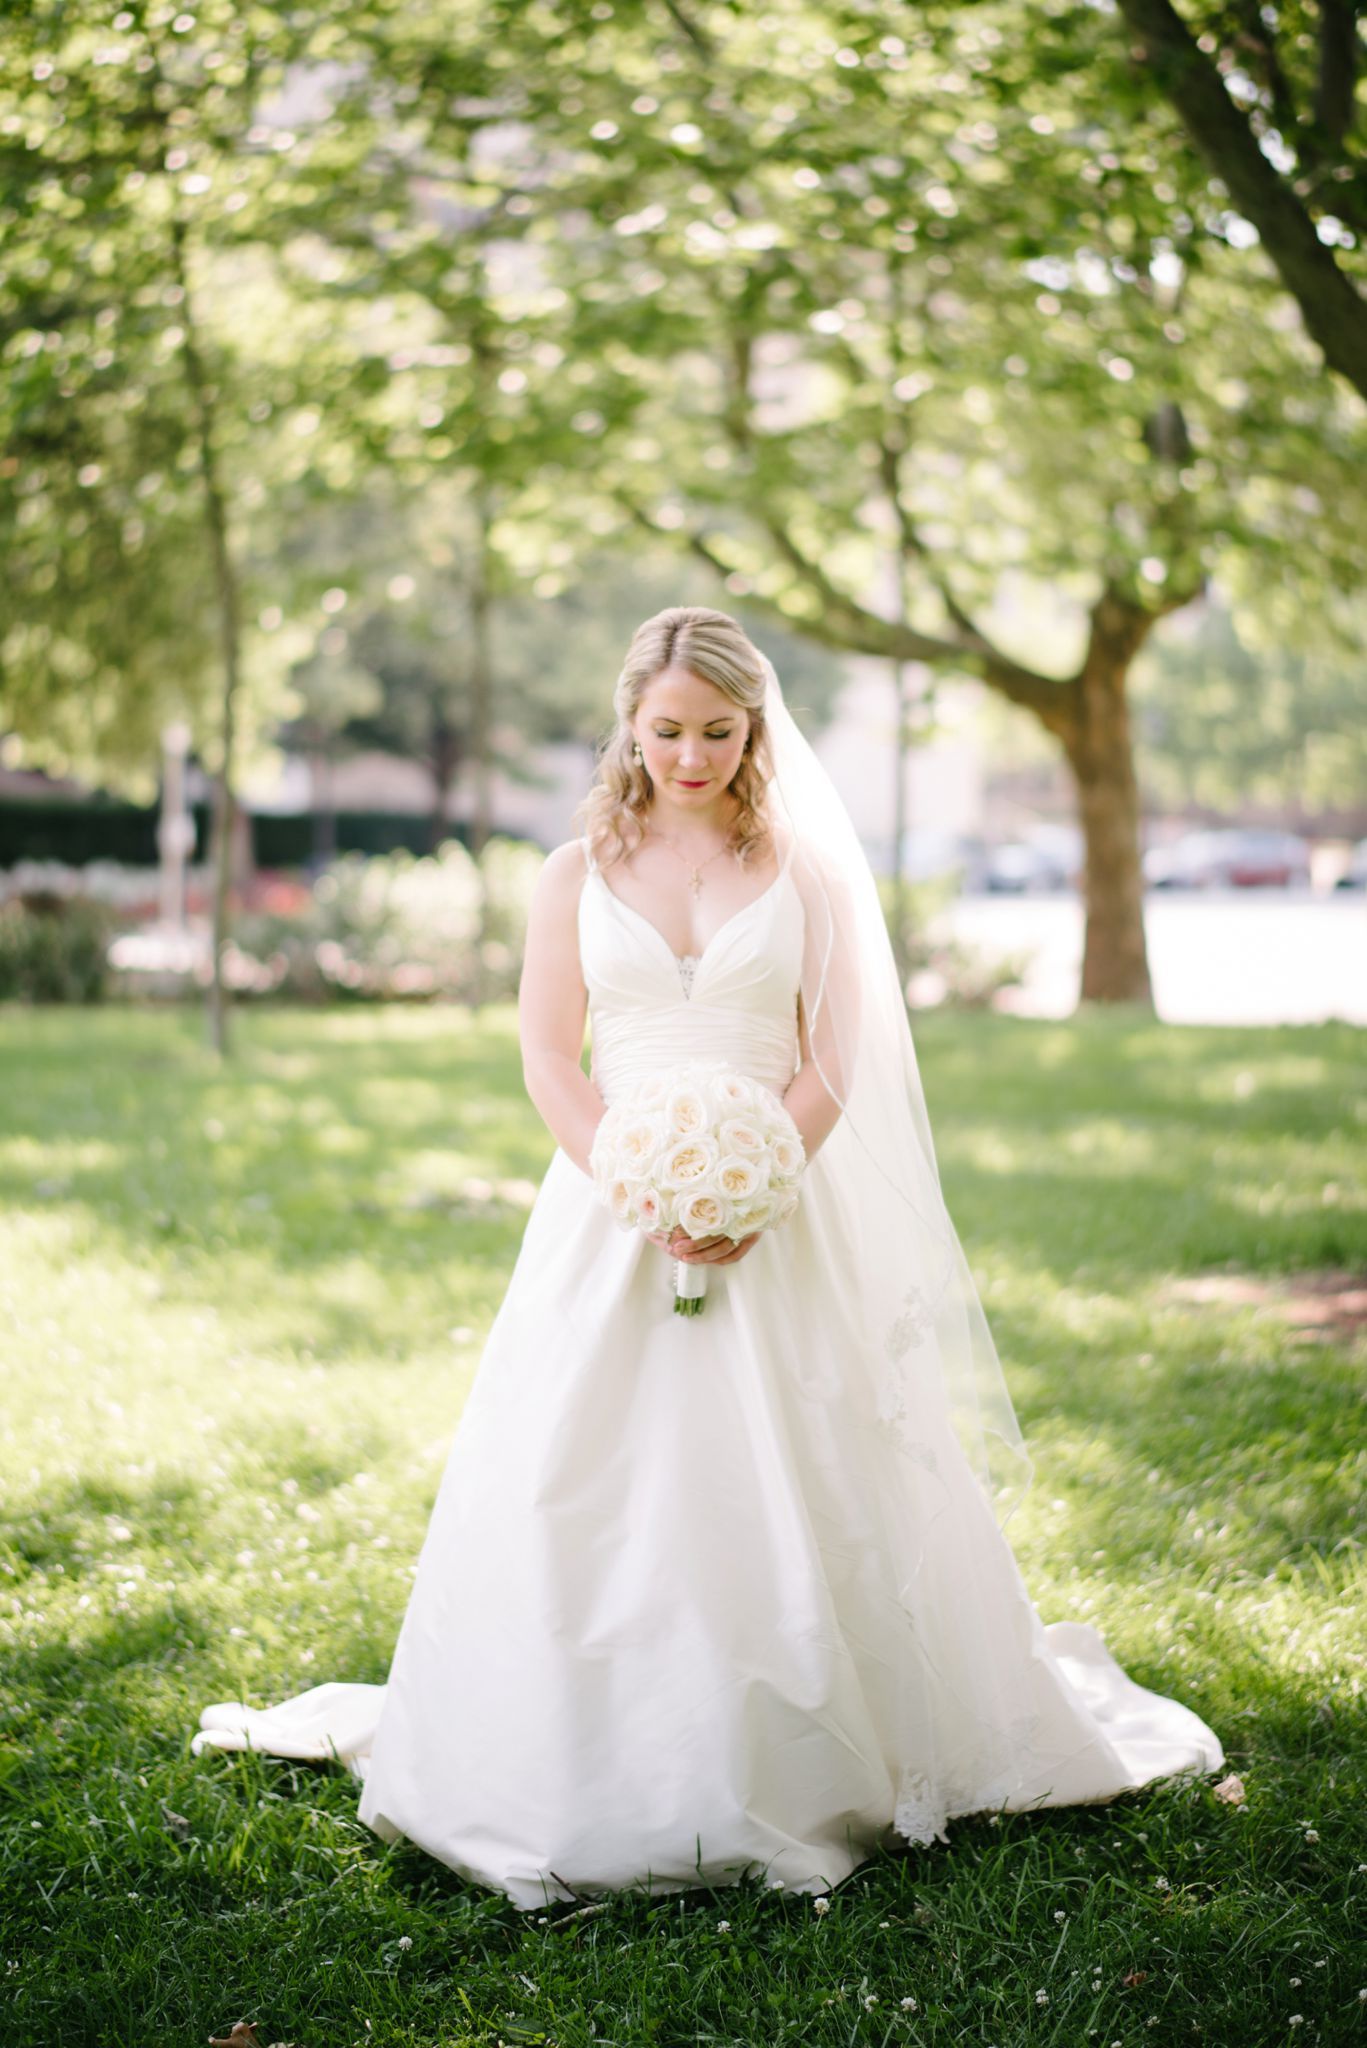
691, 734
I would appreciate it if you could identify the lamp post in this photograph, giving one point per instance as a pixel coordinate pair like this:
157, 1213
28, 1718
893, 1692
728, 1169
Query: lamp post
175, 827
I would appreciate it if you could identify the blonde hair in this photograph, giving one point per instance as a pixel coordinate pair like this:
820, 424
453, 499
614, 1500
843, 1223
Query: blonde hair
712, 645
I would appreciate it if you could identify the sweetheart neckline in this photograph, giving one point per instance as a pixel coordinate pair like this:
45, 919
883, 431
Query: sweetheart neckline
683, 959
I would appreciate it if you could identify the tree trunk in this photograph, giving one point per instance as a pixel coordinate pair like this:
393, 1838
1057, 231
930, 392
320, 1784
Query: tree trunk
229, 607
1100, 752
899, 824
444, 761
481, 677
324, 845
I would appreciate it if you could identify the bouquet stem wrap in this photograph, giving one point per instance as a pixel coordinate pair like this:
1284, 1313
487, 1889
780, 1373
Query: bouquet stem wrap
690, 1288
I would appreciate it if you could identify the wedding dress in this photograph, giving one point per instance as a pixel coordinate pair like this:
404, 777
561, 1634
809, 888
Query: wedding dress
689, 1604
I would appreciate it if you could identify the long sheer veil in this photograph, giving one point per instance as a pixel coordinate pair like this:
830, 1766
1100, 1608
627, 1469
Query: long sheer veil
924, 1324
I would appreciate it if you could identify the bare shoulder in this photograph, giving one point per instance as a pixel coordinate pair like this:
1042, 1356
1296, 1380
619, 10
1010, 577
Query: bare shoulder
562, 876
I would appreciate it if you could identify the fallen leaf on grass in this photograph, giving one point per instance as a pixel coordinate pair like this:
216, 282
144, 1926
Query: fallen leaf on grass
176, 1822
1230, 1791
1135, 1979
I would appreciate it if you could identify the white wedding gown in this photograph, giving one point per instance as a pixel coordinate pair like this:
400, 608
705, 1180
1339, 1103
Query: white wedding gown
683, 1609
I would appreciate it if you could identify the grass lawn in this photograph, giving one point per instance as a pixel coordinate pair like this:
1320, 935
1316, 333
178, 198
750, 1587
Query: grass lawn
239, 1313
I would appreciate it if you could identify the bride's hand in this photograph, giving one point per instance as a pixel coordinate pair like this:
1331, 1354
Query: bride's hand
711, 1251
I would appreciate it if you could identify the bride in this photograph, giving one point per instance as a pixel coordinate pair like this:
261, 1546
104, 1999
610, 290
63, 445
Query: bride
727, 1595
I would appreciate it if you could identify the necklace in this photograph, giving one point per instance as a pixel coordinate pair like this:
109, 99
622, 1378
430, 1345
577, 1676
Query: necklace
694, 868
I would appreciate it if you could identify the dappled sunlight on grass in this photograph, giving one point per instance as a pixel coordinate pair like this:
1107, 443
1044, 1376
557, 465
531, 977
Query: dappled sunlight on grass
243, 1309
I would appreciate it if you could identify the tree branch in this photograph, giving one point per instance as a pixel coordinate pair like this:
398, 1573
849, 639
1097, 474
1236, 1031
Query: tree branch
840, 622
1334, 312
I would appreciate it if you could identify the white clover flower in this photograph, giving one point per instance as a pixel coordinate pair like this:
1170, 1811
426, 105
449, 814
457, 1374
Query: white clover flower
1041, 1998
1060, 1917
1312, 1834
870, 2000
723, 1927
910, 2005
821, 1905
405, 1941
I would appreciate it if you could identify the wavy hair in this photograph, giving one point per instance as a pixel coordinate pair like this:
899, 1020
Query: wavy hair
712, 645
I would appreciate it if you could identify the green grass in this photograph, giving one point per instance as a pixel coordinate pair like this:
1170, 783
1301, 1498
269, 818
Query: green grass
240, 1310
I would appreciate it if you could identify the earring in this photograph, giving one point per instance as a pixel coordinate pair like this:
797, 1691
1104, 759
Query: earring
636, 750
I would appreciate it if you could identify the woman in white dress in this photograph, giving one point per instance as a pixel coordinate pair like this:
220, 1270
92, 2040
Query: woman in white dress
715, 1596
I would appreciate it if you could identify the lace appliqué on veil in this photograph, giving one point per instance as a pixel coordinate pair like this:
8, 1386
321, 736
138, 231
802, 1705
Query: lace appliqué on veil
906, 1332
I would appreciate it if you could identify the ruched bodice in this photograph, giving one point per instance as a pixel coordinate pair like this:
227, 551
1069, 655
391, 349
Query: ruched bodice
736, 1000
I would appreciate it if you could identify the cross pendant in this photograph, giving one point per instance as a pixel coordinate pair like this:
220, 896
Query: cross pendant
695, 883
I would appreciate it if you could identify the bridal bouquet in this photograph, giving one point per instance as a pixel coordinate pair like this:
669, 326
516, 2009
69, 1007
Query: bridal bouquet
702, 1148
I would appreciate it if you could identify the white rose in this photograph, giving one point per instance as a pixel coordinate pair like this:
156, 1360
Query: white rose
734, 1088
737, 1179
785, 1203
788, 1156
621, 1201
685, 1112
650, 1093
604, 1142
756, 1214
741, 1134
683, 1165
649, 1209
703, 1213
637, 1145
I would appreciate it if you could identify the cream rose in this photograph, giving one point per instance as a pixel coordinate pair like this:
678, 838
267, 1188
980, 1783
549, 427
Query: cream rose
704, 1214
737, 1179
756, 1214
788, 1156
638, 1141
683, 1165
685, 1112
740, 1134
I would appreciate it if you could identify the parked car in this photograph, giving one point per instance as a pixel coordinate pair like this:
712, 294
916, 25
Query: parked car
1045, 857
1233, 858
927, 853
1354, 876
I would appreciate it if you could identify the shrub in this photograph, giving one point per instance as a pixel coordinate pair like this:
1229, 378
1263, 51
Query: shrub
397, 925
53, 948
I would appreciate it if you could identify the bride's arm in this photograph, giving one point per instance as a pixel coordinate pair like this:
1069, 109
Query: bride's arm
552, 1003
828, 963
